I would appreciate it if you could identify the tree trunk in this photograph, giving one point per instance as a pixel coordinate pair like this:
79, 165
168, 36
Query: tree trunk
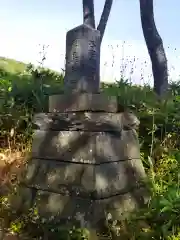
155, 47
88, 13
104, 17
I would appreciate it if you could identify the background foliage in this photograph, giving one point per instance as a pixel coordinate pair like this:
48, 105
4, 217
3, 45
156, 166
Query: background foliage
24, 90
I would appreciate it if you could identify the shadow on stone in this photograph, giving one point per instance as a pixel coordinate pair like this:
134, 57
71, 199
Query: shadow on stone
79, 177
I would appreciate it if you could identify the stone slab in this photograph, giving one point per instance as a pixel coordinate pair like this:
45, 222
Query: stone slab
76, 102
116, 146
85, 121
86, 147
67, 211
116, 178
60, 177
71, 146
65, 208
121, 206
79, 121
84, 180
57, 207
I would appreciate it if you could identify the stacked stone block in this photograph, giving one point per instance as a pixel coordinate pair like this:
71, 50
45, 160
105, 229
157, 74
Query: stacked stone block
85, 161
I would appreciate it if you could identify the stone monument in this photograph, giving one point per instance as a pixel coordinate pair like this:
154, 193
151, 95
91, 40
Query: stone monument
82, 59
85, 162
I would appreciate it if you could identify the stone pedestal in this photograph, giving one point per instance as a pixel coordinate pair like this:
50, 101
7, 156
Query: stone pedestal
85, 161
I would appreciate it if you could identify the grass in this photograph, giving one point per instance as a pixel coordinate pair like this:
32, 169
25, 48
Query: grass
24, 90
11, 65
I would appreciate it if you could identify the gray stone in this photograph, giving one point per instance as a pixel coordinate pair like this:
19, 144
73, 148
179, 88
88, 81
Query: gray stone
86, 159
115, 146
84, 180
76, 102
64, 209
60, 177
71, 146
82, 59
83, 177
85, 121
121, 206
118, 178
85, 212
86, 147
79, 121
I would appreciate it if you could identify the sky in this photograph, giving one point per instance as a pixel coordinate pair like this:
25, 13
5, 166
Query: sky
27, 25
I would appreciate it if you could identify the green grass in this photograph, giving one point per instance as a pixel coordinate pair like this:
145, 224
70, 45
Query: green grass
11, 65
23, 94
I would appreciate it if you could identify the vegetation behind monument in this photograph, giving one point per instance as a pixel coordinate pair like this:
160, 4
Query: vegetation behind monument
24, 93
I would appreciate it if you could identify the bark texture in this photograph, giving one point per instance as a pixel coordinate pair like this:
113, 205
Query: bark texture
104, 17
88, 13
155, 47
89, 18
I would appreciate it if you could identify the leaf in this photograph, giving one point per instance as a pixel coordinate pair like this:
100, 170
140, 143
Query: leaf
10, 89
165, 202
165, 209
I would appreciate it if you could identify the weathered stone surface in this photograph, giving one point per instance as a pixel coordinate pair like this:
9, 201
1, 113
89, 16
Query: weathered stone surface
82, 59
75, 102
122, 205
118, 178
85, 180
64, 208
85, 121
117, 146
86, 147
60, 177
72, 146
85, 211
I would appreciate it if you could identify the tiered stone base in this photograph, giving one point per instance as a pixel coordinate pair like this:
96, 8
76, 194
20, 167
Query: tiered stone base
85, 161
